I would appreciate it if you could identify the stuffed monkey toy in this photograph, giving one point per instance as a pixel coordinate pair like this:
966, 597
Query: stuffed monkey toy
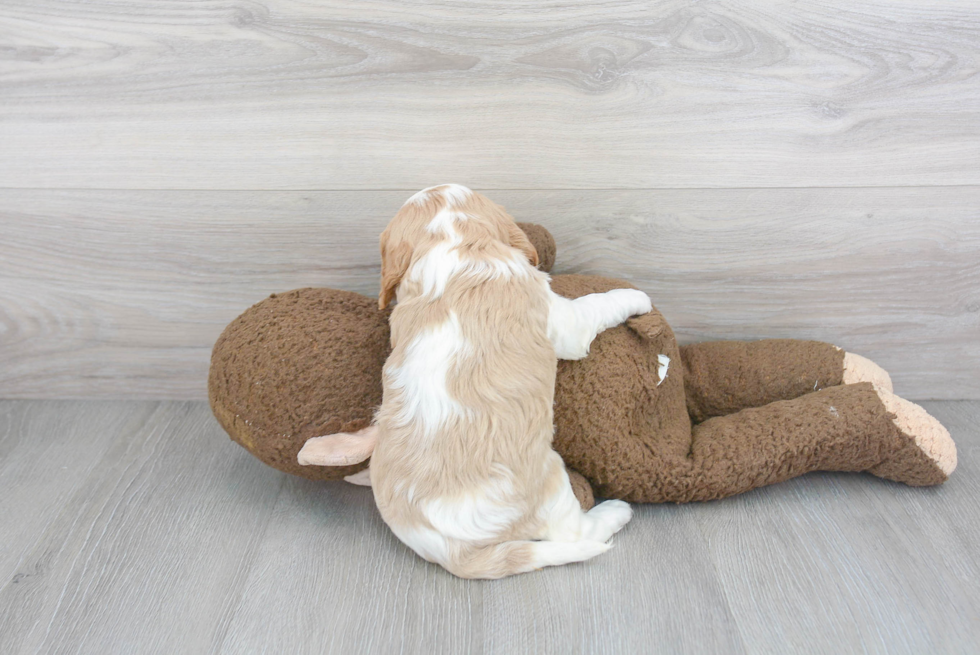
640, 418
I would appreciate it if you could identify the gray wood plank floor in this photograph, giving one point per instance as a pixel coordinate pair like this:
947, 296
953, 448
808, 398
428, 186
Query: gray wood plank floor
139, 527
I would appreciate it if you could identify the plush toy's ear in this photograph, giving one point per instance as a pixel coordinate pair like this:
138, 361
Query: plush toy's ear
341, 449
649, 326
394, 264
520, 241
543, 243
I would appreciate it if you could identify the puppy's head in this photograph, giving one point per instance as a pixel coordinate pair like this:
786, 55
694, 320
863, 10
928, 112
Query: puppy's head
447, 213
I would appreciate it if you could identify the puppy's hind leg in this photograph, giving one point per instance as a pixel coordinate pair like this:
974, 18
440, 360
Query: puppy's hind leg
565, 520
512, 557
556, 553
606, 519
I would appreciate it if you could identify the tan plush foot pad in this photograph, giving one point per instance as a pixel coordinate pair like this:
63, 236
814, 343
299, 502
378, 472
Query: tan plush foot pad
861, 369
930, 438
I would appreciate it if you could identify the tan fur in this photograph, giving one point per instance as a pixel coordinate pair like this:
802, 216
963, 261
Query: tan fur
505, 379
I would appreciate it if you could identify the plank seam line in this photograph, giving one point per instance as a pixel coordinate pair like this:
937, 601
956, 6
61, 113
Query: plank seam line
570, 189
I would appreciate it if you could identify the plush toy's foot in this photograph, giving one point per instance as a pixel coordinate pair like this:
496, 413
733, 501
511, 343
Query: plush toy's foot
861, 369
929, 455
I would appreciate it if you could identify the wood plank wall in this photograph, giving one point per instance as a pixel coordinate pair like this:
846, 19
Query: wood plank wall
762, 169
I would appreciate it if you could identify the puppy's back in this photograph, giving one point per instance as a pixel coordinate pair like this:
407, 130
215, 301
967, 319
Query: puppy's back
464, 459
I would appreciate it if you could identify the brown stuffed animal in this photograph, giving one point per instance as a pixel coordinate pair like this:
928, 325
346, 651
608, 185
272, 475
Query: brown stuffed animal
641, 418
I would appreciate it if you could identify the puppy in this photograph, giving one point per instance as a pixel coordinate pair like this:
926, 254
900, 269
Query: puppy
463, 471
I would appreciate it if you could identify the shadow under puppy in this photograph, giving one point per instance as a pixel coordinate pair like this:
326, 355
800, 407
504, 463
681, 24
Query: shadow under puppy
463, 469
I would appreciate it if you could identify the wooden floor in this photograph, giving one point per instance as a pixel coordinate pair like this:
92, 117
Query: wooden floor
139, 527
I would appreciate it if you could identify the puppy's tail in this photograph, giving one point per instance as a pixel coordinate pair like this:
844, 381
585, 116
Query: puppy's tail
511, 557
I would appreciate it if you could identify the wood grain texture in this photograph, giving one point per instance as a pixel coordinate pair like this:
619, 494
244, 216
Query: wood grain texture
169, 538
45, 456
858, 539
122, 293
331, 578
149, 552
656, 591
333, 94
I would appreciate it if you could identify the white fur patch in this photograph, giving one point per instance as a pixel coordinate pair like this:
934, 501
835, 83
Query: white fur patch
444, 221
419, 198
428, 543
570, 336
400, 489
455, 194
562, 514
477, 515
422, 376
565, 521
664, 362
434, 269
514, 266
556, 553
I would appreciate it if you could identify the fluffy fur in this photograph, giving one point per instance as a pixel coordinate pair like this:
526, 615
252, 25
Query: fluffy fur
463, 471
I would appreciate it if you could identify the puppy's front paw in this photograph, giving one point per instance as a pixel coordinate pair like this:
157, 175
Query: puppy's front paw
633, 301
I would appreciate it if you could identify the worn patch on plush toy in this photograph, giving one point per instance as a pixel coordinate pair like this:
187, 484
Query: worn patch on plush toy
664, 362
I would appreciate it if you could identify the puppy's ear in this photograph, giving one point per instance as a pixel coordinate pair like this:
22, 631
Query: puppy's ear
520, 241
394, 264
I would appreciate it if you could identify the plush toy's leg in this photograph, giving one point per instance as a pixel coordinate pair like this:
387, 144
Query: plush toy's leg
843, 428
724, 377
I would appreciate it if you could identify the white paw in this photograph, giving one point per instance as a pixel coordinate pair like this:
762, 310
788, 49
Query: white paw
634, 301
613, 514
